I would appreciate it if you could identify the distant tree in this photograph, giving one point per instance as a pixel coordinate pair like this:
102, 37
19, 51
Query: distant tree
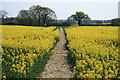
3, 14
47, 15
41, 14
99, 22
85, 21
35, 14
79, 16
115, 22
23, 17
69, 20
10, 21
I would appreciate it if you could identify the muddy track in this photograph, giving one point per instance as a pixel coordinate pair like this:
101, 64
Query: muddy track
58, 66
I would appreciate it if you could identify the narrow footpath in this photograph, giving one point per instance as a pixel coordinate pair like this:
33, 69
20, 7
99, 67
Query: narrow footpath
58, 66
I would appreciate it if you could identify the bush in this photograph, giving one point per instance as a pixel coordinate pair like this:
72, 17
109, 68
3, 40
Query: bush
116, 22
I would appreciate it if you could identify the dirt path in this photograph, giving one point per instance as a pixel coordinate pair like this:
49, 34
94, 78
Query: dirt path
58, 66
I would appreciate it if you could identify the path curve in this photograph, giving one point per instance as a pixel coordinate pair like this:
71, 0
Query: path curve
58, 66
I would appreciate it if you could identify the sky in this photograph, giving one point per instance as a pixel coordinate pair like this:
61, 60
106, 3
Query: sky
96, 9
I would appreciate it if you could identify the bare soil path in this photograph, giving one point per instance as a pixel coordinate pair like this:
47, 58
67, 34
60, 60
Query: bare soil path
58, 66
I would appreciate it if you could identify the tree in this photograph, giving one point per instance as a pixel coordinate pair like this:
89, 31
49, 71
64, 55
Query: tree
99, 22
42, 14
3, 14
115, 22
23, 17
35, 14
47, 15
10, 21
79, 16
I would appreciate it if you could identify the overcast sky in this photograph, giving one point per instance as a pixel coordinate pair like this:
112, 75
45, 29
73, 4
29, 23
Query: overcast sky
59, 0
96, 9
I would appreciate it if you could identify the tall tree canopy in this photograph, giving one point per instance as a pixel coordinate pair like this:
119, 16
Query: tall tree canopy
48, 15
35, 13
79, 16
38, 15
23, 17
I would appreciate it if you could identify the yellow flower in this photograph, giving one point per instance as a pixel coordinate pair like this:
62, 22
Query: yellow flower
13, 65
18, 70
4, 77
24, 72
94, 46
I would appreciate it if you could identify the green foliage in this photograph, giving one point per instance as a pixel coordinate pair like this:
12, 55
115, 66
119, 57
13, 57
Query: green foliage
36, 15
116, 22
79, 16
99, 22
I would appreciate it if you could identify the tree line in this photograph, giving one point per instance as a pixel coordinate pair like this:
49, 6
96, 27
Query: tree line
36, 15
44, 16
